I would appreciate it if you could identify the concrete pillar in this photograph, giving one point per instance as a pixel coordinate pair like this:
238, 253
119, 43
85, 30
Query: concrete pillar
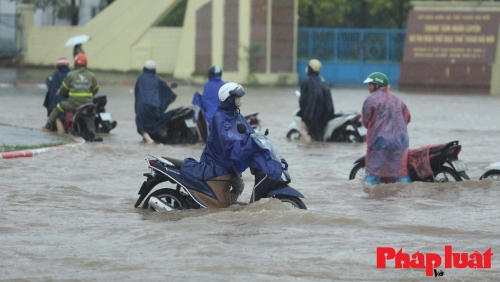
27, 22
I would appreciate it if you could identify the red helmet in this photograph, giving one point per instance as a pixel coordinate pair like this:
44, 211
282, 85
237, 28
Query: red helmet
62, 61
80, 60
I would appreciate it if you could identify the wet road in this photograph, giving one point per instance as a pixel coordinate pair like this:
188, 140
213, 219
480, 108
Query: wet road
69, 214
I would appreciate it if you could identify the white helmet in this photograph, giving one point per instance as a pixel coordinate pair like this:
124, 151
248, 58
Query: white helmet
150, 65
229, 89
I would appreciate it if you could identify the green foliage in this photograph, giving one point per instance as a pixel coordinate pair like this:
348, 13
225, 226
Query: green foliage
251, 58
176, 17
323, 13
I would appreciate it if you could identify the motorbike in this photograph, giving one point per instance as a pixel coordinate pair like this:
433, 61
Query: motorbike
493, 172
82, 123
179, 129
103, 121
213, 193
442, 159
344, 127
202, 123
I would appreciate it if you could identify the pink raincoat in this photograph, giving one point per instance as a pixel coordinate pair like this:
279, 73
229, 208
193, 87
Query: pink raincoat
386, 117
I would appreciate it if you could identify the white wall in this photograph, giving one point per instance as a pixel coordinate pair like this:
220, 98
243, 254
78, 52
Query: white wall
7, 7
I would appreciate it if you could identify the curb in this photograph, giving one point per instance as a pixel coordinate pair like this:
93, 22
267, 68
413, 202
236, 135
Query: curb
33, 152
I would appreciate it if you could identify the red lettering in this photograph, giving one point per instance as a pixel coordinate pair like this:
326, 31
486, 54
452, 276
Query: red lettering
417, 260
402, 260
447, 256
487, 258
460, 260
432, 261
476, 260
383, 254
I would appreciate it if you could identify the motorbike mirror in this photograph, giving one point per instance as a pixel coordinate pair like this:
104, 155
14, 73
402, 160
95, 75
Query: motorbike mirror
241, 128
174, 85
267, 132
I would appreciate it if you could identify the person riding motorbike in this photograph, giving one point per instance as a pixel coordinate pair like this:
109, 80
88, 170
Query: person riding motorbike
227, 151
53, 84
210, 100
80, 85
152, 97
386, 118
316, 104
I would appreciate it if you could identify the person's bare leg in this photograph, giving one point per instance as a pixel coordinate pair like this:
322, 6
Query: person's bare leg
148, 138
305, 133
60, 126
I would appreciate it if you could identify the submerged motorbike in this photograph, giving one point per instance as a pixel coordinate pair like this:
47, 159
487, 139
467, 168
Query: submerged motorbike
213, 193
493, 172
344, 127
82, 123
441, 159
179, 129
202, 123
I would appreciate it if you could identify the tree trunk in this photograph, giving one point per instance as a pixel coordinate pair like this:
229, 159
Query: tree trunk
364, 16
74, 12
311, 18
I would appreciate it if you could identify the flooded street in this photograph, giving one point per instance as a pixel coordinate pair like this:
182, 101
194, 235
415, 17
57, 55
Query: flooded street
69, 215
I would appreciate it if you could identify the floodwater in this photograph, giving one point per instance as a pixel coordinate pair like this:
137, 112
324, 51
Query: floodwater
69, 215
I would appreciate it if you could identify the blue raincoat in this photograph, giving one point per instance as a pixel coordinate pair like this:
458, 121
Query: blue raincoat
386, 117
51, 99
229, 152
210, 98
152, 97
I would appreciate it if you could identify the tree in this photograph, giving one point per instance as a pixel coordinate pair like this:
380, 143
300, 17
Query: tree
389, 13
321, 13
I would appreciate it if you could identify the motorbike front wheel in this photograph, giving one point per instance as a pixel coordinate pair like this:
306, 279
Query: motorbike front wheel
168, 196
292, 201
446, 174
493, 174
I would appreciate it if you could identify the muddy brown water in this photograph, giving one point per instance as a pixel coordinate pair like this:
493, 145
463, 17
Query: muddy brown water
69, 215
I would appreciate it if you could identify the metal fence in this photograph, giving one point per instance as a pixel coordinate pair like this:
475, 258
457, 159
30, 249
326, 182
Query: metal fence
349, 54
9, 33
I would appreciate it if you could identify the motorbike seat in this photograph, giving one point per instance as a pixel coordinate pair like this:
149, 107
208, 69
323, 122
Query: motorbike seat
442, 147
176, 162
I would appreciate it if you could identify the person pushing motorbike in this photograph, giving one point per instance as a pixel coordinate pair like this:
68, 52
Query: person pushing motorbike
386, 118
152, 97
316, 104
80, 85
227, 151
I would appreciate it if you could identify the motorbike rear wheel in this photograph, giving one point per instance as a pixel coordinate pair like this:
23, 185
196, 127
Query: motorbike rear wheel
168, 196
446, 174
292, 201
358, 172
493, 174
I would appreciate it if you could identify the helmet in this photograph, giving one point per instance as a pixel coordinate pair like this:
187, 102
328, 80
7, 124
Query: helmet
314, 65
214, 71
80, 60
150, 65
230, 89
62, 61
377, 78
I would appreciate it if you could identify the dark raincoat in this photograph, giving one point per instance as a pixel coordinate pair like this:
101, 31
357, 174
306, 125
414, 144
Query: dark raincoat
316, 105
53, 84
229, 152
152, 97
210, 98
386, 117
